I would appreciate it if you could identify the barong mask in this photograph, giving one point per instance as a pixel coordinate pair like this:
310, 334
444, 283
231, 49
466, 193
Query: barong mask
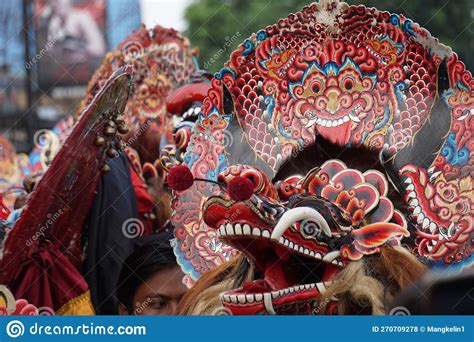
354, 78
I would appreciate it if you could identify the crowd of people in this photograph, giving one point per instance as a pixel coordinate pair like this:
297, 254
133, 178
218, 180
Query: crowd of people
325, 169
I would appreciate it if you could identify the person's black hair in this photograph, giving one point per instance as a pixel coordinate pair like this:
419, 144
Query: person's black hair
152, 255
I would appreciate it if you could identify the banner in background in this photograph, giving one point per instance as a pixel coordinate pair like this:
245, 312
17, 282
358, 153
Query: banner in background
70, 42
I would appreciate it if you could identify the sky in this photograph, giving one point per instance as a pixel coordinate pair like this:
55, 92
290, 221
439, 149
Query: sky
167, 13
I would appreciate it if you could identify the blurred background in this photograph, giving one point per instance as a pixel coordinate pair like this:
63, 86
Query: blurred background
46, 60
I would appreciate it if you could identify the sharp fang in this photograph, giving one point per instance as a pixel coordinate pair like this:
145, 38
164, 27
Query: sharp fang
310, 123
267, 302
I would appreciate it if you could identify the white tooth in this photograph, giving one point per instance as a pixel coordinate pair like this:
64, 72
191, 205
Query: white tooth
318, 121
238, 229
307, 287
291, 245
306, 251
431, 169
411, 187
266, 233
292, 289
318, 256
430, 248
258, 297
323, 122
275, 294
346, 118
417, 210
256, 232
282, 240
340, 122
331, 256
246, 230
408, 181
286, 243
311, 253
229, 229
334, 123
411, 194
250, 298
414, 202
434, 242
354, 118
233, 299
267, 302
225, 298
340, 263
426, 222
197, 110
301, 249
241, 299
312, 285
432, 227
420, 218
334, 262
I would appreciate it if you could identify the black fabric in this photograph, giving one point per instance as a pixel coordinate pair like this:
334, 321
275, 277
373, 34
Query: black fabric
106, 244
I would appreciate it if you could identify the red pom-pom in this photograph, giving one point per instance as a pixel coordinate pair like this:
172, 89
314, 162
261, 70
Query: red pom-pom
180, 178
240, 188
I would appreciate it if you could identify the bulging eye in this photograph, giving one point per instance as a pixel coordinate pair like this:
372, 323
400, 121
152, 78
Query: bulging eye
316, 87
310, 229
349, 84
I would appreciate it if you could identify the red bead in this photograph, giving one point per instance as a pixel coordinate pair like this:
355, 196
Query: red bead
240, 188
180, 178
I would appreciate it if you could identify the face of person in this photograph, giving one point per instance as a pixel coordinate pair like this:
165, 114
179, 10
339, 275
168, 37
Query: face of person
160, 294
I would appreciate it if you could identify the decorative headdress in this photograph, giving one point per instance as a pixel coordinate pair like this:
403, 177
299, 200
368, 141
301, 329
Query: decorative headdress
353, 79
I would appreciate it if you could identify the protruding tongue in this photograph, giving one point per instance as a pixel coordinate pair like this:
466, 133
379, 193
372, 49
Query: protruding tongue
337, 135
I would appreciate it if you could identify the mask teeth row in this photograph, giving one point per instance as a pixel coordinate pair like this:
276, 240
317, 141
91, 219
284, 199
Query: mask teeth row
329, 258
258, 297
245, 230
241, 229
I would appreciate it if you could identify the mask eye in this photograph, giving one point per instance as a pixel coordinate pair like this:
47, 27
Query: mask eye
309, 228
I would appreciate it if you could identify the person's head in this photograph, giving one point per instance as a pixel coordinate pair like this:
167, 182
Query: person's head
150, 282
61, 8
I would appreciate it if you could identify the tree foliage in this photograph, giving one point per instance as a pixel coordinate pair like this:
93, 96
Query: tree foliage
217, 27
